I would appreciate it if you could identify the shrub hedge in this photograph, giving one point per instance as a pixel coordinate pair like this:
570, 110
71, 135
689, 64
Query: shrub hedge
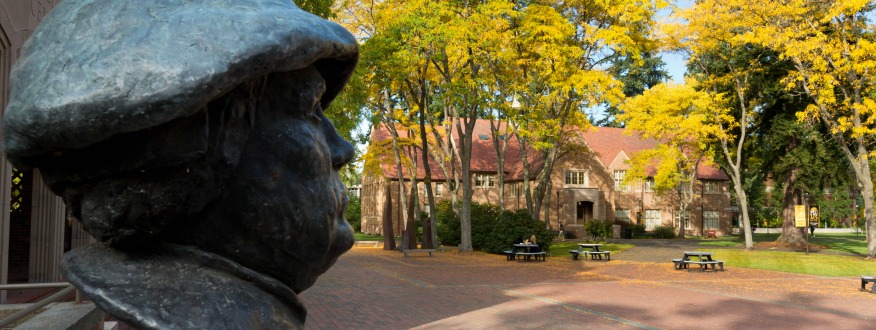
490, 231
664, 232
353, 213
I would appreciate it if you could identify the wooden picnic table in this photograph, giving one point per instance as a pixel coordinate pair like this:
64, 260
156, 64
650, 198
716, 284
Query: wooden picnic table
526, 251
593, 253
704, 260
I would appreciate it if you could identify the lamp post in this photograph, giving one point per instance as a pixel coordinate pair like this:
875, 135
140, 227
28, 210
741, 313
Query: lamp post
806, 207
558, 208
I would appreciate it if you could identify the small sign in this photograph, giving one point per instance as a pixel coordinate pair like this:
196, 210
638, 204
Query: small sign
813, 215
800, 216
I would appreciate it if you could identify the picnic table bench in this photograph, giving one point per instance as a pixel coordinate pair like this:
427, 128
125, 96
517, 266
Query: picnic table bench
429, 251
704, 265
600, 255
868, 279
373, 243
522, 256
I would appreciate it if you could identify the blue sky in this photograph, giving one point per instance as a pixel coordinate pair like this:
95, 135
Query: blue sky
675, 63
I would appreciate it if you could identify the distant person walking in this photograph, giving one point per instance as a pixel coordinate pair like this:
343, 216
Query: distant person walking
562, 235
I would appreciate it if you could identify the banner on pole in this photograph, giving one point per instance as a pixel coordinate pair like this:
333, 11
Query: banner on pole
800, 216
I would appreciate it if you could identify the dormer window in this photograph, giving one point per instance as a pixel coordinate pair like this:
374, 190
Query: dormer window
484, 137
619, 181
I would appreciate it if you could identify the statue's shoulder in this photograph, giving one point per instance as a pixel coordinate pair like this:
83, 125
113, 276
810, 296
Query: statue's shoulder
176, 287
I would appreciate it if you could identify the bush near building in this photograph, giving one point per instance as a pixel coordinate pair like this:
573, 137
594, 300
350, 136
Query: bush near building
490, 231
353, 214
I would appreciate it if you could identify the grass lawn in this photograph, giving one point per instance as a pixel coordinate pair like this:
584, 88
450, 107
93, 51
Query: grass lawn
364, 237
800, 262
843, 242
824, 264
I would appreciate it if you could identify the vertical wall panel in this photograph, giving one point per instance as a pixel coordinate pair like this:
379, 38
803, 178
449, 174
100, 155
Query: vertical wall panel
47, 233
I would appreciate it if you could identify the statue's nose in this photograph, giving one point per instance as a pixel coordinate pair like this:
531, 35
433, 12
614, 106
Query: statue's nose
342, 152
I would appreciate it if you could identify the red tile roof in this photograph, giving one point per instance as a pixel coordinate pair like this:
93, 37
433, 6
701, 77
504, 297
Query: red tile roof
606, 142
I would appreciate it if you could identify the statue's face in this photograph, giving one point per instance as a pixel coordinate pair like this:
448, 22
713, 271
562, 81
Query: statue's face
283, 212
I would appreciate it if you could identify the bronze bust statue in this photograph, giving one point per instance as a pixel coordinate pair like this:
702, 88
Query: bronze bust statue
189, 138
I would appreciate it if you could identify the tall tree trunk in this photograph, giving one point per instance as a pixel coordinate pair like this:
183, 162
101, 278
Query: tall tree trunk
410, 237
499, 146
870, 217
398, 161
527, 186
413, 209
465, 244
444, 156
862, 170
429, 236
543, 178
388, 234
790, 233
547, 209
742, 198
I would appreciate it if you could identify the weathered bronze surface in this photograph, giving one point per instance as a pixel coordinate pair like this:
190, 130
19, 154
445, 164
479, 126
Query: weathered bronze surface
189, 138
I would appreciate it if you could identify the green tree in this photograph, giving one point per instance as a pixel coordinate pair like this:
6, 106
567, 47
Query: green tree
321, 8
636, 76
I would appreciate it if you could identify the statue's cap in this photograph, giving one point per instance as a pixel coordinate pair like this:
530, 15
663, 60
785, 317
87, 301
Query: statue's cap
97, 68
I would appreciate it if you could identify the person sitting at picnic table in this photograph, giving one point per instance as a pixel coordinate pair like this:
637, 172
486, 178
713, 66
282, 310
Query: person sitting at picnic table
533, 241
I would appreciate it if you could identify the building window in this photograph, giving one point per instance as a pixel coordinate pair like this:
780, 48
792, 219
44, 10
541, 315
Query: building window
619, 181
427, 210
439, 189
485, 180
577, 178
679, 216
652, 218
711, 187
622, 214
710, 219
649, 185
684, 186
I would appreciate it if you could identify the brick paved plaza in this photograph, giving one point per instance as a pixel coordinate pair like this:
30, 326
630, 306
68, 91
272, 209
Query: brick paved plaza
370, 288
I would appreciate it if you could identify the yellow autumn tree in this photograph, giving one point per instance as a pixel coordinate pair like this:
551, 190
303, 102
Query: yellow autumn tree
722, 58
680, 117
454, 61
832, 48
561, 70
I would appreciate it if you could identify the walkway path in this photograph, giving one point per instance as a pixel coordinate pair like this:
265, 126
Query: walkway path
373, 288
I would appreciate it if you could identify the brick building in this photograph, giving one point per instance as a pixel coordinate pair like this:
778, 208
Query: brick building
34, 232
585, 185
